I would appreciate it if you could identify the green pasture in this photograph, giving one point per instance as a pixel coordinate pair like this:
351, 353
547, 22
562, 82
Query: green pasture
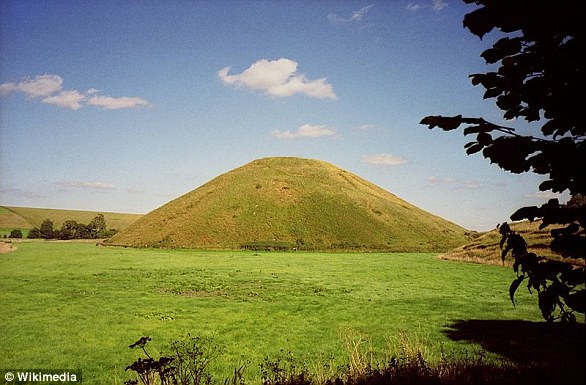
75, 305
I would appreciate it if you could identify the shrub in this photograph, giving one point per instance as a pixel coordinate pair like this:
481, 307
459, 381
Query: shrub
34, 233
16, 233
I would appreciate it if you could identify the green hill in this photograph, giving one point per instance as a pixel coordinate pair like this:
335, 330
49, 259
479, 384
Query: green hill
291, 203
28, 217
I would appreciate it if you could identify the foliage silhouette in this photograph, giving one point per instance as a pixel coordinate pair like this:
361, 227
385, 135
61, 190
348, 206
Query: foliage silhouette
541, 71
415, 370
16, 233
186, 364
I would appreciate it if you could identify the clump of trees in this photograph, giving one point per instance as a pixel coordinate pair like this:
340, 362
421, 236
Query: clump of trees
16, 233
539, 75
71, 229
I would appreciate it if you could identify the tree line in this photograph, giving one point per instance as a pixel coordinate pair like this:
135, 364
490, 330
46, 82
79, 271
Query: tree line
70, 229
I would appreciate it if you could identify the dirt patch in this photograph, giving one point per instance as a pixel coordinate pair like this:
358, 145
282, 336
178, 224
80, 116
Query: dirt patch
6, 247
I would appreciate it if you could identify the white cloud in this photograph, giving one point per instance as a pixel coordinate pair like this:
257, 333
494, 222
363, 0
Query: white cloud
365, 127
434, 180
368, 128
20, 193
546, 195
39, 86
49, 89
87, 185
66, 99
469, 185
456, 183
111, 103
438, 5
413, 7
384, 160
355, 17
306, 131
278, 78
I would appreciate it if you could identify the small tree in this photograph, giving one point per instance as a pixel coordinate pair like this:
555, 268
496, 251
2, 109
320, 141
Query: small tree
46, 229
73, 230
97, 227
541, 73
34, 233
16, 233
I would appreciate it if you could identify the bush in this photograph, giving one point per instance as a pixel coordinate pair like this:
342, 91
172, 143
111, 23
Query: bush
34, 233
16, 233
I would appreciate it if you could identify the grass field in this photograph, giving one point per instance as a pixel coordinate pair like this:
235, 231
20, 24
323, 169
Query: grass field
75, 305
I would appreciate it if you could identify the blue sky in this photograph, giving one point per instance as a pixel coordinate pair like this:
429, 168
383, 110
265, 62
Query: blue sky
125, 105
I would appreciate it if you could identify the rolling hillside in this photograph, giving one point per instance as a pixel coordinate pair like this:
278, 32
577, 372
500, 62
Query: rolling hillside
27, 217
291, 203
485, 248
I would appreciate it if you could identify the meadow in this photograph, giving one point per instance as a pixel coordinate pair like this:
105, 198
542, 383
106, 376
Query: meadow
76, 305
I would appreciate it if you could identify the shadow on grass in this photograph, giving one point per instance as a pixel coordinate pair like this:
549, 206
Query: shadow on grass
524, 342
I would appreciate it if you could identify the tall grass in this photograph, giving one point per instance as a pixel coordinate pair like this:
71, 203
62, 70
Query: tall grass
188, 365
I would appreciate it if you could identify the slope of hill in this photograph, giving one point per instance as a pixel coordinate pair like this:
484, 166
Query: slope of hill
29, 217
485, 248
11, 220
292, 203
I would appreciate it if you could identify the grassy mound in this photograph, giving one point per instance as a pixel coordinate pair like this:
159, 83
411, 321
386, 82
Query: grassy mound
286, 203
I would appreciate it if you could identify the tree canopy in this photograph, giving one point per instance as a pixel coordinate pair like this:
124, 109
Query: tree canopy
71, 229
539, 78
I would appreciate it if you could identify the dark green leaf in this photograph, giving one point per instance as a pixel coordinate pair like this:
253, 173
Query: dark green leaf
513, 288
492, 55
505, 251
451, 123
508, 46
447, 123
504, 229
483, 127
484, 138
492, 92
476, 79
431, 121
577, 301
474, 148
547, 301
479, 22
530, 213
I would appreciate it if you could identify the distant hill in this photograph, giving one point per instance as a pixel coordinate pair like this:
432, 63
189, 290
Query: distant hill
27, 217
286, 203
485, 248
